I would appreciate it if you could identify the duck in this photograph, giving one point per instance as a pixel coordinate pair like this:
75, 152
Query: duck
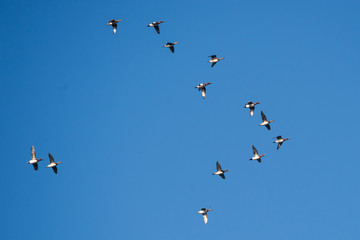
156, 26
256, 155
204, 212
279, 140
251, 105
219, 171
53, 164
202, 88
113, 23
34, 161
214, 60
171, 45
265, 122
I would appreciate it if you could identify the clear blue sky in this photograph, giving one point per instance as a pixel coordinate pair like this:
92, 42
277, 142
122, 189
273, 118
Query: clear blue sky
139, 144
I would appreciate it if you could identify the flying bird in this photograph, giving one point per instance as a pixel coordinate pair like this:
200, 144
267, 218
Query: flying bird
156, 26
219, 171
202, 88
251, 106
204, 211
113, 23
53, 164
265, 122
171, 46
214, 60
279, 140
256, 155
34, 161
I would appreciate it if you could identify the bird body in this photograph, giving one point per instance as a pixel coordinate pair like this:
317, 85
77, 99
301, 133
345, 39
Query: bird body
34, 161
256, 156
214, 60
265, 122
171, 46
251, 106
279, 140
53, 164
156, 26
202, 88
113, 23
219, 171
204, 212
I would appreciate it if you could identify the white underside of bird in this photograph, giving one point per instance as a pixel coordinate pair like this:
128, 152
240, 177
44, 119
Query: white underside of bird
51, 165
32, 161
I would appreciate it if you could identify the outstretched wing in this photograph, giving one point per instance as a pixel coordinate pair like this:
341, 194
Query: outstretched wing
51, 158
263, 117
212, 56
157, 29
268, 127
172, 48
114, 28
218, 167
222, 175
203, 92
251, 112
213, 64
55, 169
205, 218
35, 165
279, 145
33, 155
254, 150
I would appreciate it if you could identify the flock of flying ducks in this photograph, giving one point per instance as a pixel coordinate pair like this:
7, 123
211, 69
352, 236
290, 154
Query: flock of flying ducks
201, 87
34, 161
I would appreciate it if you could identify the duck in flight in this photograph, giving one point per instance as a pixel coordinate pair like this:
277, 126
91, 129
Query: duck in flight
34, 161
204, 212
202, 88
256, 155
251, 106
214, 60
113, 23
53, 164
156, 26
219, 171
171, 45
265, 122
279, 140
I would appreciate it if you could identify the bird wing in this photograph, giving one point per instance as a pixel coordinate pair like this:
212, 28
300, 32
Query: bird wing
251, 112
279, 145
254, 150
205, 217
218, 167
203, 92
33, 155
268, 127
222, 175
35, 165
114, 28
157, 29
278, 137
213, 64
212, 56
55, 169
172, 48
263, 117
51, 158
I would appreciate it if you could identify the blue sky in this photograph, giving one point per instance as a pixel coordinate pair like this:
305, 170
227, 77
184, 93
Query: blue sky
139, 144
